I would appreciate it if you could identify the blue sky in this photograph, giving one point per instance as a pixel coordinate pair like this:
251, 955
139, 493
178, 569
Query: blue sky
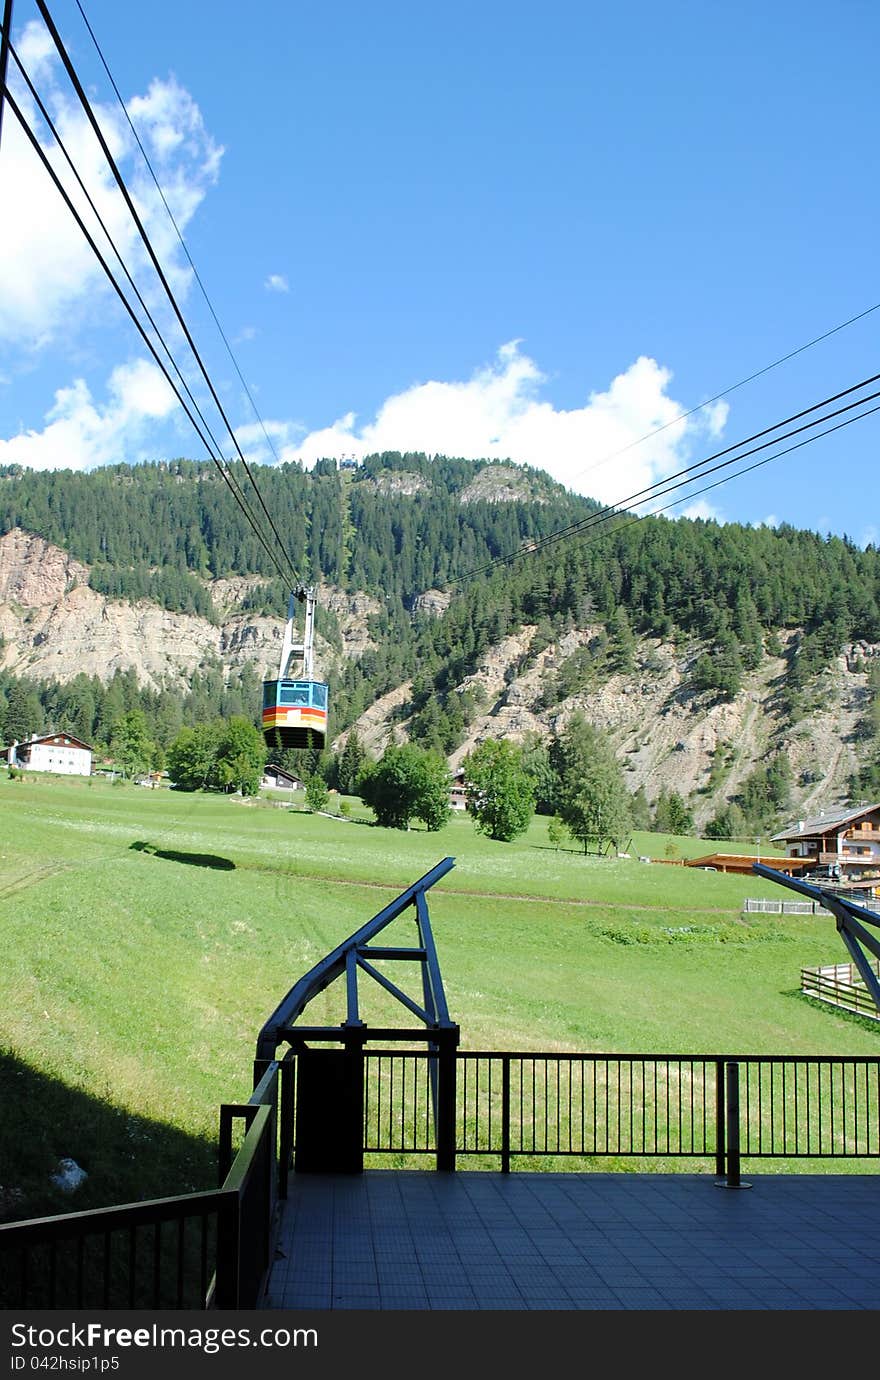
495, 229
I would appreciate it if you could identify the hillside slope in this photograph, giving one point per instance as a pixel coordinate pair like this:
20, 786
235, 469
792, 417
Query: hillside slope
667, 736
503, 672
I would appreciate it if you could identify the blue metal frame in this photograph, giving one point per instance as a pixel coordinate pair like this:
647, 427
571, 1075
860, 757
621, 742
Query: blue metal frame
356, 953
850, 918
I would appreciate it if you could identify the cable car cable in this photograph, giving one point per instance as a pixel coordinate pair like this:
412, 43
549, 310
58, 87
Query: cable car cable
609, 527
62, 146
626, 503
14, 107
695, 472
758, 464
183, 244
682, 416
90, 115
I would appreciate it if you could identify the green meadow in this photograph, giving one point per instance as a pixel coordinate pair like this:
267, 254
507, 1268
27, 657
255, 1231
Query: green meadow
148, 934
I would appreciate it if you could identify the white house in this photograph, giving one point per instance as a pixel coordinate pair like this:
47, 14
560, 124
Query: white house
56, 752
457, 792
277, 777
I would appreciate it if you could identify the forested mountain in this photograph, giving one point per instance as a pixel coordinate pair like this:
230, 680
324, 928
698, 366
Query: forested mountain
421, 543
398, 525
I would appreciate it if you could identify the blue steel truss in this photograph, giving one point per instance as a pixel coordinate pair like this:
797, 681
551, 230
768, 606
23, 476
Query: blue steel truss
851, 920
358, 954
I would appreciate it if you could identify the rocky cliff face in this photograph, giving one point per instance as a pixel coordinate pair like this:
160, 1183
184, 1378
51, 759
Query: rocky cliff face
666, 735
53, 626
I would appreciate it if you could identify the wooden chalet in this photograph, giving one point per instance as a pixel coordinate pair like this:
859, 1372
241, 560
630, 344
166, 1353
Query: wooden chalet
741, 862
843, 845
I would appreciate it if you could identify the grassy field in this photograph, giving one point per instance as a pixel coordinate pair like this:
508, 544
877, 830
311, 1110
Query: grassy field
148, 934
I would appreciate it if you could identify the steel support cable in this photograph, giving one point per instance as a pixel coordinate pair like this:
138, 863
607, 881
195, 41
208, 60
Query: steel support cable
90, 116
747, 469
70, 163
659, 491
688, 475
609, 526
699, 464
682, 416
41, 153
183, 244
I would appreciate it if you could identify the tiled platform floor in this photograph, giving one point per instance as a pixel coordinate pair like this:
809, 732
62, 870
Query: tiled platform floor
475, 1240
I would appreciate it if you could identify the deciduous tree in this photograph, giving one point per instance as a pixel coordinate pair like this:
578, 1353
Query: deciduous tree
407, 783
500, 792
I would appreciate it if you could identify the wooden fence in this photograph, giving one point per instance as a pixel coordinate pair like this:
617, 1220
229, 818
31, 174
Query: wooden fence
841, 985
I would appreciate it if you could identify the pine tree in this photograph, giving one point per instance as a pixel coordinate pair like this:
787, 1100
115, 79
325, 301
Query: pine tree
593, 801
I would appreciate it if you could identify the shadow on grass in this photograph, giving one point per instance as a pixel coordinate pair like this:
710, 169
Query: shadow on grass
871, 1023
191, 859
127, 1157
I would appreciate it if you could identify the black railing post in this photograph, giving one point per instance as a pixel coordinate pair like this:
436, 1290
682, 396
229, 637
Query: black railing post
720, 1139
228, 1275
446, 1098
732, 1179
505, 1114
224, 1144
285, 1137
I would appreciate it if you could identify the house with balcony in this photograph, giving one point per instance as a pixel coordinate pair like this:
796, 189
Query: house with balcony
843, 845
54, 752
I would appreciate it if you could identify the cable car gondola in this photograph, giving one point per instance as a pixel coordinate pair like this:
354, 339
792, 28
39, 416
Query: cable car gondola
295, 710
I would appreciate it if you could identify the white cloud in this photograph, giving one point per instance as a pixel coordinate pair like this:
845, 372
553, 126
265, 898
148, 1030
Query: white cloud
276, 282
499, 413
81, 435
50, 281
700, 509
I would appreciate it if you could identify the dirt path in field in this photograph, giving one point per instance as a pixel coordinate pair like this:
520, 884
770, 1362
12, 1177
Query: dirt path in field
513, 896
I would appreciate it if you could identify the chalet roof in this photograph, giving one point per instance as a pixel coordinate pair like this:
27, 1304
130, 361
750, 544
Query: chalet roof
825, 823
38, 738
281, 772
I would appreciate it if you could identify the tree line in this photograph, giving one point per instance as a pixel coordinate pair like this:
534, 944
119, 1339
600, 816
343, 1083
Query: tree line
160, 531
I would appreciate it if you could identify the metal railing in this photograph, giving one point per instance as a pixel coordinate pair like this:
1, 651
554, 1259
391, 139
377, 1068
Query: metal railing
214, 1249
192, 1251
604, 1106
157, 1254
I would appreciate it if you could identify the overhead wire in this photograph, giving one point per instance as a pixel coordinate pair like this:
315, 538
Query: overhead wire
41, 154
700, 407
690, 474
221, 463
747, 469
609, 526
177, 231
99, 218
90, 116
